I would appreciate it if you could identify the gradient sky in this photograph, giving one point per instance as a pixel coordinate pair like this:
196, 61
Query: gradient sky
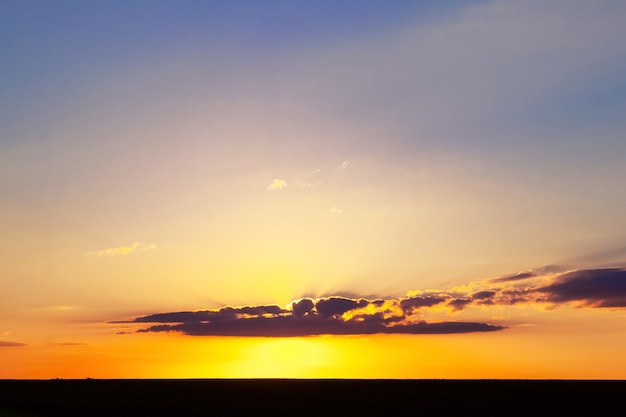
397, 189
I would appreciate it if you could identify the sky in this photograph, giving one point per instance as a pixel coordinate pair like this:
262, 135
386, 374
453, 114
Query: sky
313, 189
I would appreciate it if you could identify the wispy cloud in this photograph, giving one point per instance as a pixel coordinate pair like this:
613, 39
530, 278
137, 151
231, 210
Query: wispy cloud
319, 176
309, 179
514, 277
344, 165
592, 288
124, 250
277, 184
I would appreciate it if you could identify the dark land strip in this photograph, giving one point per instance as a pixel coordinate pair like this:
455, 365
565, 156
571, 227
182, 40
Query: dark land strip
297, 397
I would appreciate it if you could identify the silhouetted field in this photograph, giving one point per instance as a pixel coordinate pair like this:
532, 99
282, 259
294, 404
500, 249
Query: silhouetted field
208, 397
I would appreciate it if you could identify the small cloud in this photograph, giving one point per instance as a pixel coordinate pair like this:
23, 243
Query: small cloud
344, 165
335, 210
416, 302
123, 250
309, 179
458, 304
301, 307
277, 184
336, 306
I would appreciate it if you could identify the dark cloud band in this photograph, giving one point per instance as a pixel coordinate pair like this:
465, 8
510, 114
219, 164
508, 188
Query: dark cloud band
595, 288
289, 326
308, 317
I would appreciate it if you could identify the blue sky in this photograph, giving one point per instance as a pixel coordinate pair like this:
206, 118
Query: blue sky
507, 114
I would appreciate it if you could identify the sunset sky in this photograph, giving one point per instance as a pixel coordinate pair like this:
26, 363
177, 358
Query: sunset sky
313, 189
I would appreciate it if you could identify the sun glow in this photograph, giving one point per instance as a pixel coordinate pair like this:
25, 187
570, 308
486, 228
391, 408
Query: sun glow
286, 358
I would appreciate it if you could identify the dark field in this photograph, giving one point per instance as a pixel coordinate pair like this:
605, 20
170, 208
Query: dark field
308, 397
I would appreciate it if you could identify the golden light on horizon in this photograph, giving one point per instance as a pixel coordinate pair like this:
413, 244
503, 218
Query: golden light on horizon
285, 358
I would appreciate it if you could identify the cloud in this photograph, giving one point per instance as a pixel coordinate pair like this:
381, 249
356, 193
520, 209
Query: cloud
288, 326
592, 288
306, 317
336, 306
347, 315
514, 277
277, 184
301, 307
412, 303
335, 210
344, 165
535, 272
459, 303
124, 250
225, 313
11, 344
483, 295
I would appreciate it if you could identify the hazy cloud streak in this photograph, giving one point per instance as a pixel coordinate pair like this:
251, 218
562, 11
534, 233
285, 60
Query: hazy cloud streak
11, 344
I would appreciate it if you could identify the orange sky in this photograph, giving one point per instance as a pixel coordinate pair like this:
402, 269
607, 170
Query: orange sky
541, 340
313, 189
